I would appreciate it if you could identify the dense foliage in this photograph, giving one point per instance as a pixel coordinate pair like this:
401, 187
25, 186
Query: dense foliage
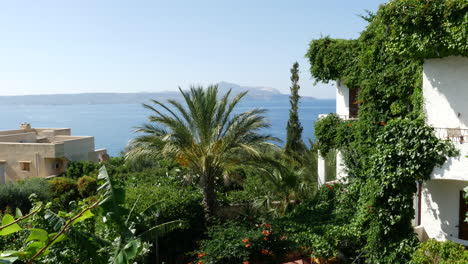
439, 252
203, 135
17, 195
426, 28
389, 148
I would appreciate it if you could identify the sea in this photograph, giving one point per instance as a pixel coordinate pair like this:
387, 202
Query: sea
113, 125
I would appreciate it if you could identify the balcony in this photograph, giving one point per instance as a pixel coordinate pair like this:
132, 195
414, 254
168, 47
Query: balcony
455, 135
344, 117
456, 167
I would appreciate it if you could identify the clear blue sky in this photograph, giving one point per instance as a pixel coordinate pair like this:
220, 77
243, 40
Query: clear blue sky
142, 45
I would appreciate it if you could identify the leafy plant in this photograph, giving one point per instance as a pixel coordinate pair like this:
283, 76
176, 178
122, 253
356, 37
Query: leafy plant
16, 195
87, 186
432, 252
204, 136
236, 243
124, 247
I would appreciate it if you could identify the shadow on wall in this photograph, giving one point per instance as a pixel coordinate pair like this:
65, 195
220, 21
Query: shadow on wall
441, 198
449, 77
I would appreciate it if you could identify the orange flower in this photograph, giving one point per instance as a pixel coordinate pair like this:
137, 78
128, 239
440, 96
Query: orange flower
350, 125
266, 233
265, 252
245, 240
267, 225
247, 245
265, 238
246, 262
200, 262
382, 123
201, 255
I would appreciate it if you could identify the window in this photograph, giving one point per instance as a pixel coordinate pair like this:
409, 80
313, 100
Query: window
57, 165
25, 165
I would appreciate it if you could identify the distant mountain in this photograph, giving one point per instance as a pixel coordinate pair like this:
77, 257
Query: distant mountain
254, 94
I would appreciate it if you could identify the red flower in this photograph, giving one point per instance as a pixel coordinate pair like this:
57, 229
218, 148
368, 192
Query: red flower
246, 262
247, 245
329, 187
266, 233
245, 240
265, 252
201, 255
382, 123
265, 238
268, 226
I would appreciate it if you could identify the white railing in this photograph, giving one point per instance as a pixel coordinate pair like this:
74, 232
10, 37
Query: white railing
344, 117
456, 135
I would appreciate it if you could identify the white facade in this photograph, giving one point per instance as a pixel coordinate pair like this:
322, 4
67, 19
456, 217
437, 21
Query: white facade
343, 111
342, 99
445, 91
440, 209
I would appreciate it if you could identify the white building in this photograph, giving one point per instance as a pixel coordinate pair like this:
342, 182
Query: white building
439, 204
347, 109
440, 208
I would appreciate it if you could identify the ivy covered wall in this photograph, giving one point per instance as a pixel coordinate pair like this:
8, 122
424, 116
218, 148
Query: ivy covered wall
389, 148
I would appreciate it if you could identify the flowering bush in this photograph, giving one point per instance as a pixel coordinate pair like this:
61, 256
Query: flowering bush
234, 242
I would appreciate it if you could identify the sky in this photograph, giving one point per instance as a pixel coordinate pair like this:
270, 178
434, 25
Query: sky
125, 46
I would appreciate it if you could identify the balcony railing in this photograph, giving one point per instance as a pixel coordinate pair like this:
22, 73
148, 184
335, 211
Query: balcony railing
344, 117
456, 135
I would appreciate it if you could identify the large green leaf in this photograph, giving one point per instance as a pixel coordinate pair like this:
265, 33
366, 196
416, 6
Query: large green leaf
59, 239
8, 219
8, 257
162, 229
38, 235
126, 254
87, 214
113, 198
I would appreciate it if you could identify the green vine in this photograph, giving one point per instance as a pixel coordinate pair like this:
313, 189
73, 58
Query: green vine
389, 148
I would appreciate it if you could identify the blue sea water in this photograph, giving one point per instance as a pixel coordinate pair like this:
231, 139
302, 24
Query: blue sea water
113, 125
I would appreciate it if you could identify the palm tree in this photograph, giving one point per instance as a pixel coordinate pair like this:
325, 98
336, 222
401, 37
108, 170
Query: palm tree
204, 135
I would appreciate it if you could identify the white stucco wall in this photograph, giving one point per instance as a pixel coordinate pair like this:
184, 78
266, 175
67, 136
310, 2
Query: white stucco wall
445, 91
342, 99
455, 168
440, 209
340, 167
321, 169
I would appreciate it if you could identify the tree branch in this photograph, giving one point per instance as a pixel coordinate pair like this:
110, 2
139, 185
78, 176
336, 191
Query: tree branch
63, 230
20, 219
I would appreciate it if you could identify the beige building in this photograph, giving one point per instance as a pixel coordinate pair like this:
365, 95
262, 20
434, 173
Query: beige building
42, 152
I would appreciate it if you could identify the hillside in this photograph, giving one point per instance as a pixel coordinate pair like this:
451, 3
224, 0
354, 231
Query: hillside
255, 94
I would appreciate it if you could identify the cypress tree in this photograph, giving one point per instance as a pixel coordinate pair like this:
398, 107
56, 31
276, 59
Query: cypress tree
294, 144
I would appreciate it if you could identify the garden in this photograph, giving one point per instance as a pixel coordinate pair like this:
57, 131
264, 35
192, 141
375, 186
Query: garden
204, 184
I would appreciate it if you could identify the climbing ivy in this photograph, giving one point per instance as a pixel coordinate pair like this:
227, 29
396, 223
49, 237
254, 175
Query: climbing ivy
389, 148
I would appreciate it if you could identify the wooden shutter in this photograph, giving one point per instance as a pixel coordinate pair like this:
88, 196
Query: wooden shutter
462, 225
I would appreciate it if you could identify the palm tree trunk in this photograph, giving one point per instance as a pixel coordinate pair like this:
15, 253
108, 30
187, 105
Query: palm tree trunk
207, 182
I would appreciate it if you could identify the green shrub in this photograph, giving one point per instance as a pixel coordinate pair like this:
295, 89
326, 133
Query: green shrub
78, 169
87, 186
64, 190
153, 191
16, 195
61, 185
433, 251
